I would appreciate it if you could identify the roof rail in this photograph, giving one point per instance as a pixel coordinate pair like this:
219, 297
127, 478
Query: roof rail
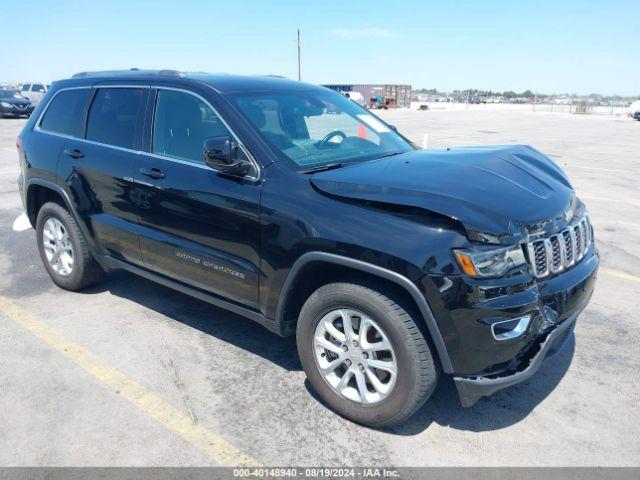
131, 72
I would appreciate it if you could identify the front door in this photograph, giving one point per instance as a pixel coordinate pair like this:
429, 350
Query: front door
196, 226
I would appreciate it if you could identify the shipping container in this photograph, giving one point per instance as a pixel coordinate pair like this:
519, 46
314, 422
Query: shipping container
387, 95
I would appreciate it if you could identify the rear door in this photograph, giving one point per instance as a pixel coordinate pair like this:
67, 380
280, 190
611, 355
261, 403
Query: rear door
99, 168
197, 226
62, 120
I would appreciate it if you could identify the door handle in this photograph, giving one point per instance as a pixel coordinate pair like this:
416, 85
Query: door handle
154, 173
73, 153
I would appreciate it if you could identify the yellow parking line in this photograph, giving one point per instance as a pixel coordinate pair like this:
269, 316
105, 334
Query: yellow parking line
172, 418
620, 274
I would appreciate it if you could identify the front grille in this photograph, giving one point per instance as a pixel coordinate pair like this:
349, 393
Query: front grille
556, 254
560, 251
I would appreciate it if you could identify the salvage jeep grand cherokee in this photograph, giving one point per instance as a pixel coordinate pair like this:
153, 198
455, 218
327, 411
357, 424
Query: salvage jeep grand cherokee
291, 205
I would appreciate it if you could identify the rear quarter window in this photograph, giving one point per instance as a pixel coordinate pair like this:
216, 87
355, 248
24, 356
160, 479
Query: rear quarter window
65, 113
115, 116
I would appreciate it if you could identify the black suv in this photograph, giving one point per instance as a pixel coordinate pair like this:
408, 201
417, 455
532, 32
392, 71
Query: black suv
291, 205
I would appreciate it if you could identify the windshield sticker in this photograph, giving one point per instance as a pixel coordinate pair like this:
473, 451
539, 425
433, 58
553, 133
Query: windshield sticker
374, 123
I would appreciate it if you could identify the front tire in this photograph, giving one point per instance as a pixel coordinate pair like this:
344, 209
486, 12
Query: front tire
63, 249
364, 354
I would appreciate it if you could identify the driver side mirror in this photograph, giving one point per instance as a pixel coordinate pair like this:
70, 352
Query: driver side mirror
222, 154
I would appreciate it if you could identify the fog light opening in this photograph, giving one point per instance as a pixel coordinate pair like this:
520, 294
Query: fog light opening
509, 329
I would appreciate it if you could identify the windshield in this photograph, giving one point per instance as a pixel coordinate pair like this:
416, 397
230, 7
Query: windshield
315, 128
9, 94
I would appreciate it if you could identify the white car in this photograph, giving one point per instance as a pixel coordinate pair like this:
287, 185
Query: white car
633, 110
34, 91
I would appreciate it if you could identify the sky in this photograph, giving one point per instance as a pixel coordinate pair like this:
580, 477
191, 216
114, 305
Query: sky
549, 46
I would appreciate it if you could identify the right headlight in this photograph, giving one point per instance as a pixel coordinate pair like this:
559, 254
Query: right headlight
6, 104
493, 262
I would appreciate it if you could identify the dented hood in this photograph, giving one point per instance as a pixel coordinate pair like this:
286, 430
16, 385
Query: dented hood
498, 193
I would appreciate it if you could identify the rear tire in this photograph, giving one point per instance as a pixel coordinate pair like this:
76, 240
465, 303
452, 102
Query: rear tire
327, 311
63, 249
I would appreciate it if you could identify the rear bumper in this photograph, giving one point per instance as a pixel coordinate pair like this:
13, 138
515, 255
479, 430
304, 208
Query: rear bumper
471, 390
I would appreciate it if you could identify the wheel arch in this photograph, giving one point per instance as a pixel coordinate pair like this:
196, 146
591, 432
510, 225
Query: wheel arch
307, 266
40, 191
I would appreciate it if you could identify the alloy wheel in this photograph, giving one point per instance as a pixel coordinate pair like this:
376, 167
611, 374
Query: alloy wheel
57, 247
354, 356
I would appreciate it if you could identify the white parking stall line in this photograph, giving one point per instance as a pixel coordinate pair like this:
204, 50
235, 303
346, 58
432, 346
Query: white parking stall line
599, 169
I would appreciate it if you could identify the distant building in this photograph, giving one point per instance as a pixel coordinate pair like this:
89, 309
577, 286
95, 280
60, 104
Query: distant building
378, 96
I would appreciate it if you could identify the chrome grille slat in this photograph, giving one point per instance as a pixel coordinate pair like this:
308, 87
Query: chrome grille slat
576, 231
568, 248
556, 260
560, 251
548, 254
540, 258
574, 244
586, 233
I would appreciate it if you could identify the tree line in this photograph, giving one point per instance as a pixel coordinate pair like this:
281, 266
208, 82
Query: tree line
474, 92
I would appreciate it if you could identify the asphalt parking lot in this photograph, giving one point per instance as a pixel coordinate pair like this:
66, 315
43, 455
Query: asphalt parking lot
130, 373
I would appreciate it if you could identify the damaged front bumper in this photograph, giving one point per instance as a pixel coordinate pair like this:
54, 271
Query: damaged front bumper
486, 359
471, 389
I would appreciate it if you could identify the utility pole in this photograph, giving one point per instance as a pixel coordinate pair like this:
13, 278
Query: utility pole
299, 71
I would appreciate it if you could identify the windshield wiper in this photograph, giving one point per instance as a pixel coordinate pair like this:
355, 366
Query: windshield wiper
323, 168
391, 154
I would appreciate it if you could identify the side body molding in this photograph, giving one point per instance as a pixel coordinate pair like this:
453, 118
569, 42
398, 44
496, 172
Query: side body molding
402, 281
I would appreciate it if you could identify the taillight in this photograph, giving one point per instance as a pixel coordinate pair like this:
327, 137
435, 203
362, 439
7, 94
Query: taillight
18, 143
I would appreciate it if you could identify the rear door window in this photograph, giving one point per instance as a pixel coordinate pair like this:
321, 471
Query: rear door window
65, 113
37, 87
25, 88
116, 115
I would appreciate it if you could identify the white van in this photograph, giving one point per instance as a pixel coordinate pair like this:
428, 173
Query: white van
34, 91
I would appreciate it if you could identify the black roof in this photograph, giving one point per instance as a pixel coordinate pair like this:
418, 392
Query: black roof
219, 81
